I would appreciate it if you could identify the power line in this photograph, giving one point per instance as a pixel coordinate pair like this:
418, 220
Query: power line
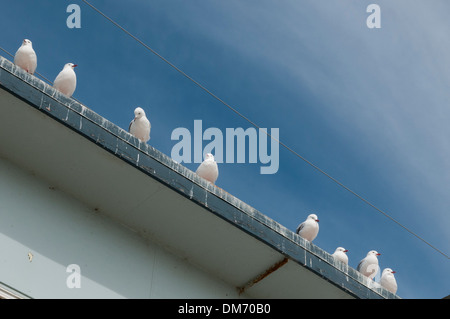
258, 127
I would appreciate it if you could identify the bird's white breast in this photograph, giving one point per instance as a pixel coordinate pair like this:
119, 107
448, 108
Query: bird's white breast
208, 170
309, 230
26, 58
66, 81
140, 128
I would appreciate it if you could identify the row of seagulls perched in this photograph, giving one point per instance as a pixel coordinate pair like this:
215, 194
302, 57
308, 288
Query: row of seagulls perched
65, 81
368, 266
140, 127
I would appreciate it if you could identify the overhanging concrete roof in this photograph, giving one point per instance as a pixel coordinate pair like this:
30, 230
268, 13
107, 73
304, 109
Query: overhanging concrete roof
102, 165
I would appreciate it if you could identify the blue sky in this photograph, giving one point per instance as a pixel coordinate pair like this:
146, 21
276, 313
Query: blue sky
368, 106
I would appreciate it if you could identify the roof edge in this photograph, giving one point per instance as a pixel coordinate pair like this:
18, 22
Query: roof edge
149, 160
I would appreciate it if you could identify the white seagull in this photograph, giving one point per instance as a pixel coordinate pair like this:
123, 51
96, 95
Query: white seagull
66, 81
140, 126
208, 169
388, 280
25, 57
340, 254
309, 228
369, 265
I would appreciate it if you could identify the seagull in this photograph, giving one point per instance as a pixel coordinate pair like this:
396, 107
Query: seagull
66, 81
369, 265
25, 57
309, 228
140, 126
388, 280
208, 169
340, 254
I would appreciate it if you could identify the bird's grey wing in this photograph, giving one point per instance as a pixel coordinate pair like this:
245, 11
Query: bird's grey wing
300, 227
359, 265
129, 126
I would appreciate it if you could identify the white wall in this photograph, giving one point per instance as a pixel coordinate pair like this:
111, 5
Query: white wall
58, 231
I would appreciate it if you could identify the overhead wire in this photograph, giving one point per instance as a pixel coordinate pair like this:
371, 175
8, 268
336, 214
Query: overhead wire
256, 126
264, 131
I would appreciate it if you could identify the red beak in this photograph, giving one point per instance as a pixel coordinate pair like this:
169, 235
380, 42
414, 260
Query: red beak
378, 254
345, 250
393, 272
317, 220
75, 65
